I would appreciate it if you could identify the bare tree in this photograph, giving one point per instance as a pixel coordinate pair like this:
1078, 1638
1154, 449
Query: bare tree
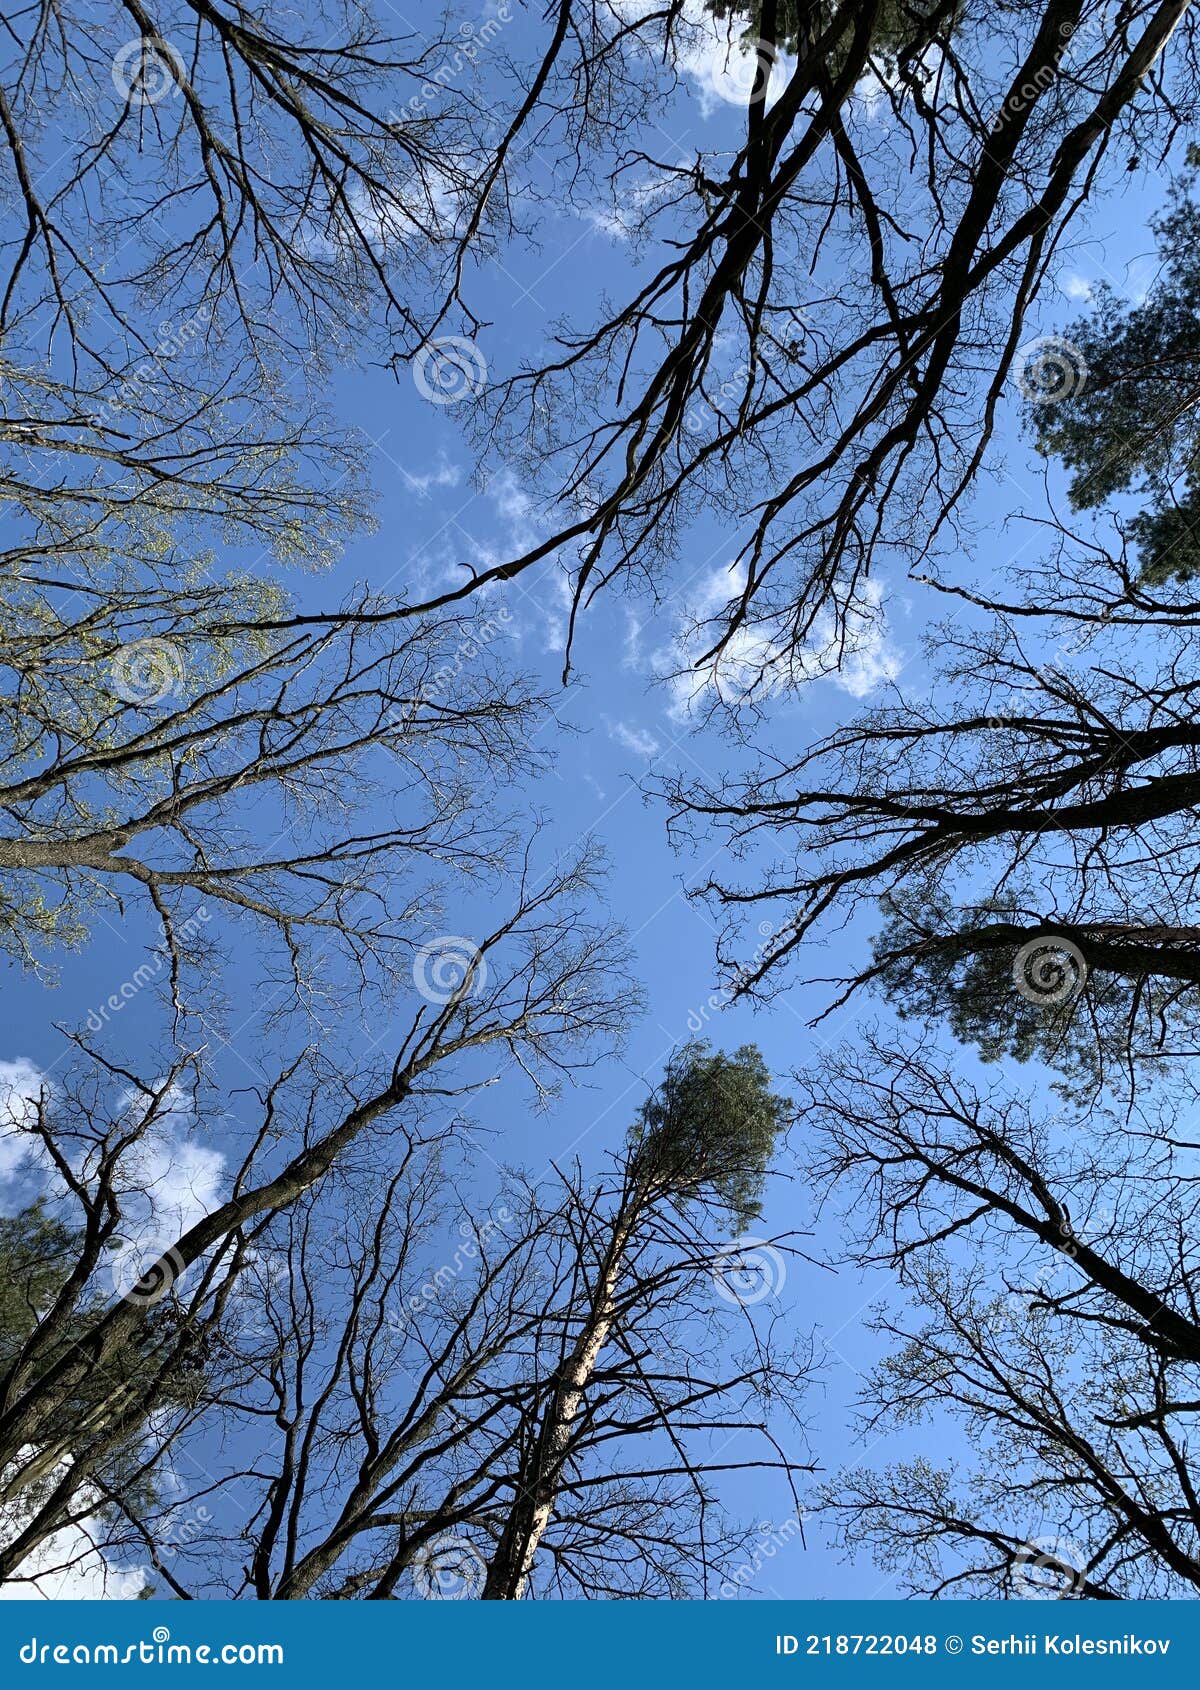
1050, 1260
1026, 817
829, 290
209, 767
143, 150
545, 989
416, 1353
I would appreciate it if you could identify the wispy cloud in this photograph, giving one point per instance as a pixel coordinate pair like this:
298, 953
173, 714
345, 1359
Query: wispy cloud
757, 662
632, 738
443, 474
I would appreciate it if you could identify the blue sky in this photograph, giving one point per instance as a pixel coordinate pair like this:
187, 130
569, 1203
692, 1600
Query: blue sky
438, 508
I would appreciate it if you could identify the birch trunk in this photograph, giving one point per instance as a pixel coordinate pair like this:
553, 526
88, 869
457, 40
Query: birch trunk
541, 1476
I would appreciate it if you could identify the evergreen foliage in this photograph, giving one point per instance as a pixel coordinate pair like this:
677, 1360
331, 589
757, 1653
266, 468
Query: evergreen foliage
712, 1124
1132, 422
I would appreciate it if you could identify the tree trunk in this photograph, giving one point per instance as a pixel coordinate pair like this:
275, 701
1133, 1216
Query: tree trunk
540, 1475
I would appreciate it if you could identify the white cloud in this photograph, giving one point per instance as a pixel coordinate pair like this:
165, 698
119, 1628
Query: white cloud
756, 662
1076, 286
631, 655
632, 738
723, 63
523, 527
169, 1182
67, 1566
390, 217
443, 474
21, 1084
625, 215
707, 50
167, 1179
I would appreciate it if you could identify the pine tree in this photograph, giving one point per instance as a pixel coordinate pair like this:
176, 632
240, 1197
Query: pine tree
707, 1132
1132, 420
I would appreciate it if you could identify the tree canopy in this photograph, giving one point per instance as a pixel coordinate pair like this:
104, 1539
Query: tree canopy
711, 1124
